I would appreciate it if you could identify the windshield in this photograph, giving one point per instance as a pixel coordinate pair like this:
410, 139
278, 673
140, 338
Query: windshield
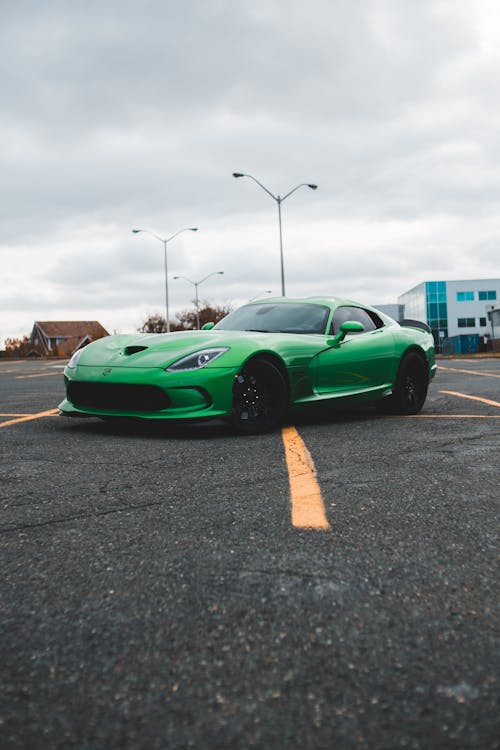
281, 317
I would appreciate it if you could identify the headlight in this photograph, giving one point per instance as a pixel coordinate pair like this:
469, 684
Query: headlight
197, 360
74, 359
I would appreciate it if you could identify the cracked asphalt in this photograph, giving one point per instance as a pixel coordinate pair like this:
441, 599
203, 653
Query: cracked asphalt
154, 593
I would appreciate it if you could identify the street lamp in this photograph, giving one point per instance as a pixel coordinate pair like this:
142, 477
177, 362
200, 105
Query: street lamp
261, 294
165, 242
196, 284
279, 200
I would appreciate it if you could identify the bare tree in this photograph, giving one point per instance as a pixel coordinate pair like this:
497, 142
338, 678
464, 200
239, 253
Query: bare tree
209, 313
155, 323
186, 320
17, 347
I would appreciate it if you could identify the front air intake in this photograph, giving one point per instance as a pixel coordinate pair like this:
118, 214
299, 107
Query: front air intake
117, 396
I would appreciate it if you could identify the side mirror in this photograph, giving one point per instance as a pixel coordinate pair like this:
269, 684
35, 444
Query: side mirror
207, 326
350, 326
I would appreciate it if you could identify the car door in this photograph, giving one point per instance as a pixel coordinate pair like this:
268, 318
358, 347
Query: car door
361, 361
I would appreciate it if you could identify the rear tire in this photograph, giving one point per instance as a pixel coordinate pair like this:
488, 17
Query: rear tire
410, 389
260, 398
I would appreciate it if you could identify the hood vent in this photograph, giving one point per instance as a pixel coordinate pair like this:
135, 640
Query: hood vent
133, 350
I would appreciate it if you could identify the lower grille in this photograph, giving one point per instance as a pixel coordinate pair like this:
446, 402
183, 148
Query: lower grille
117, 396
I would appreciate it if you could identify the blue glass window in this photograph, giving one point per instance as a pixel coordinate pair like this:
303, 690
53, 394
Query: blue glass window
487, 295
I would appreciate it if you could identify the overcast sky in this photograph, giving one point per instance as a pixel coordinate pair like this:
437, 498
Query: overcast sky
117, 114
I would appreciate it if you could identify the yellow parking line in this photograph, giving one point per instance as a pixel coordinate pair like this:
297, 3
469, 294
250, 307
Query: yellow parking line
472, 398
49, 413
470, 372
37, 375
453, 416
308, 511
15, 415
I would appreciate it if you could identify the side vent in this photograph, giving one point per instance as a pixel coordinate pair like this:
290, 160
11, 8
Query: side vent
133, 350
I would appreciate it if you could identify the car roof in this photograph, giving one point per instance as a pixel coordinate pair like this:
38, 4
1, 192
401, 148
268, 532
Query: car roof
330, 301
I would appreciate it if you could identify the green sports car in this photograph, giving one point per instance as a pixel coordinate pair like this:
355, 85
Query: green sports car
255, 364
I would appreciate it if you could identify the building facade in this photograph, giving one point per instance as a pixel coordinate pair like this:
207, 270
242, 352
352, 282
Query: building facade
63, 338
454, 308
494, 316
394, 311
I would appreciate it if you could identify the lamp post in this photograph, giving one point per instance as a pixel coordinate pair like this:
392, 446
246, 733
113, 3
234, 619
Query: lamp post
196, 284
261, 294
279, 200
165, 242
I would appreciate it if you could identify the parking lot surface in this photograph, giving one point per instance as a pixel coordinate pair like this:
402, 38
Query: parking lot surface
330, 585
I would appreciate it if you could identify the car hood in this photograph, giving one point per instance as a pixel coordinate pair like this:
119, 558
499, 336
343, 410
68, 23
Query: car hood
162, 349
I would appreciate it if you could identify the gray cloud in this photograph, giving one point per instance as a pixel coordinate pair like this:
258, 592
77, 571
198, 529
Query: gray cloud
127, 114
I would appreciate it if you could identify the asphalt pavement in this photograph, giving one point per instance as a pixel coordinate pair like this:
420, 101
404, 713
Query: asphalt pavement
155, 594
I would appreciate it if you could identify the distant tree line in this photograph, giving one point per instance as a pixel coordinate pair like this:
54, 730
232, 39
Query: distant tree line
17, 347
186, 320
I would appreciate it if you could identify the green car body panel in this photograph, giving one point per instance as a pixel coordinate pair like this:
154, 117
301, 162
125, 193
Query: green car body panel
130, 375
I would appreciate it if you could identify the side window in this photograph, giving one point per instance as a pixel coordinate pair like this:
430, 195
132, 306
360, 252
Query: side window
370, 321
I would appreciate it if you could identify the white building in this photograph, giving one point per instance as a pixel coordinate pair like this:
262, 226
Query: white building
394, 311
453, 308
494, 316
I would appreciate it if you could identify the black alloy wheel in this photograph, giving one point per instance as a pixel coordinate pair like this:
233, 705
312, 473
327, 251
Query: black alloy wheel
259, 398
412, 382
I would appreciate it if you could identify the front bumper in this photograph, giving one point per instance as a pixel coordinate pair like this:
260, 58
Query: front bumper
197, 394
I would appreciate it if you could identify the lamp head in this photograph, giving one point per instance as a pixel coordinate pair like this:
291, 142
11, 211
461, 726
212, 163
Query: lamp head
193, 229
238, 174
135, 231
313, 187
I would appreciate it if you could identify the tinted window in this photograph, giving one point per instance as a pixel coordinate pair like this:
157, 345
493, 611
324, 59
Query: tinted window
487, 295
342, 314
277, 317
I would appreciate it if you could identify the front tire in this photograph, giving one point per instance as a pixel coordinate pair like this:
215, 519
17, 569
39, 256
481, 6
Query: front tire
410, 389
260, 398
